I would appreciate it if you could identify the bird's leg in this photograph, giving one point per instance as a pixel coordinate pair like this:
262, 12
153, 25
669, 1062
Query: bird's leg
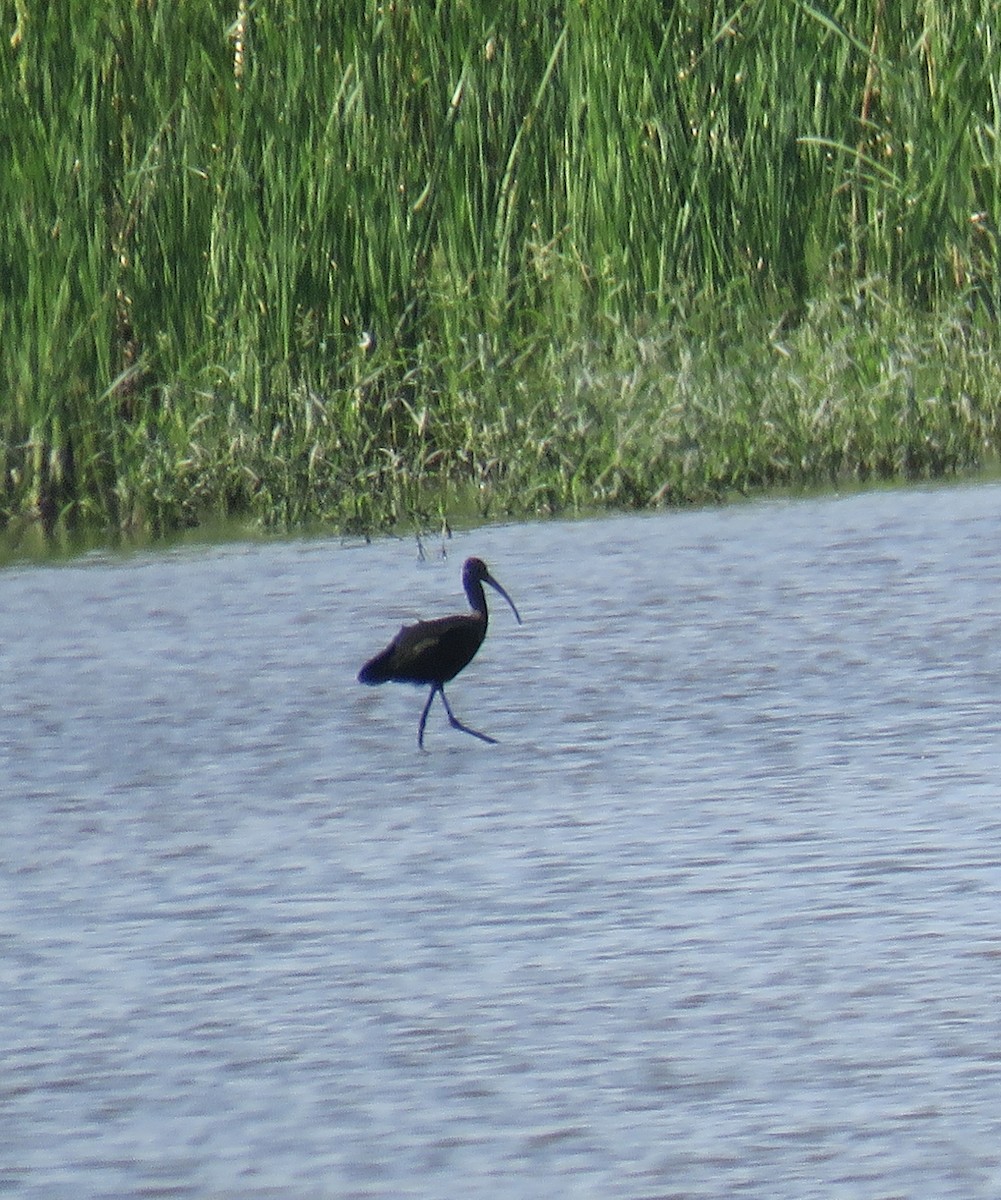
424, 716
457, 724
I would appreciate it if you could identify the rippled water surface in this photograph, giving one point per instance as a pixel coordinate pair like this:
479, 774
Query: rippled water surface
719, 916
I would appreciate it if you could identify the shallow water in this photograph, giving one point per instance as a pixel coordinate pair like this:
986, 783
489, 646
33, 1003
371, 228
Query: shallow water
718, 916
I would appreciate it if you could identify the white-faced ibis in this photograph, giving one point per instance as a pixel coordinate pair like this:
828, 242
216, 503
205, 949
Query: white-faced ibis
434, 652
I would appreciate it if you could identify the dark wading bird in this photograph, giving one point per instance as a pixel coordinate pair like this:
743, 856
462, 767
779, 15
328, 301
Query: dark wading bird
434, 652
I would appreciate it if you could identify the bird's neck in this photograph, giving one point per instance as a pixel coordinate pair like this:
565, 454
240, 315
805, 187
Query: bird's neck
478, 600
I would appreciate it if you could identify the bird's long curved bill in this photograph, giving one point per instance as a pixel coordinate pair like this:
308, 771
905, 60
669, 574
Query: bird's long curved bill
497, 587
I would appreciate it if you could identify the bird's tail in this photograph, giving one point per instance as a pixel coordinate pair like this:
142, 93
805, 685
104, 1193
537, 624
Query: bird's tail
376, 670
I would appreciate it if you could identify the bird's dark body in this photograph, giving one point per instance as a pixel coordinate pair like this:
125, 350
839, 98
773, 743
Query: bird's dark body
431, 653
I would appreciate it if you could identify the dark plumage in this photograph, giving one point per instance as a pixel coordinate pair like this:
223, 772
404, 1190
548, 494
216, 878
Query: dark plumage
433, 652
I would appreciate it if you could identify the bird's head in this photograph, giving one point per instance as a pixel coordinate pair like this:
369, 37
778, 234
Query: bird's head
475, 573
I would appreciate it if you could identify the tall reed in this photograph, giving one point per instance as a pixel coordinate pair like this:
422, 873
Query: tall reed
206, 206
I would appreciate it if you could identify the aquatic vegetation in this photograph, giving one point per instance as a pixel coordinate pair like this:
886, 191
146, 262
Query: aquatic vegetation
382, 268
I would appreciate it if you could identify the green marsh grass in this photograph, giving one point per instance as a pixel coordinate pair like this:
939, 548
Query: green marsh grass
611, 256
